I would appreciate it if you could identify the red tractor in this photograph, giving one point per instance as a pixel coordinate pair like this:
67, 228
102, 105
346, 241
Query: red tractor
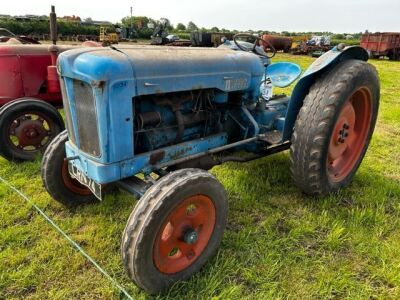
29, 96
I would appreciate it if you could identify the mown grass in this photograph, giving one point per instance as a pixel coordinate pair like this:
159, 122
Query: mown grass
279, 243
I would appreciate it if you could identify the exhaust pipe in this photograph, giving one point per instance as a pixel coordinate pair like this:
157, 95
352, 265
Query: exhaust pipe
53, 25
53, 83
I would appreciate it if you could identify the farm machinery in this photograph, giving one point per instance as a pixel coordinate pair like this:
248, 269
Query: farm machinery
151, 120
382, 44
29, 97
280, 43
315, 46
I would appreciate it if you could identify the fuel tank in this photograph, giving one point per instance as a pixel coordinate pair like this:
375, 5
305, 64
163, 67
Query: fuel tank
158, 70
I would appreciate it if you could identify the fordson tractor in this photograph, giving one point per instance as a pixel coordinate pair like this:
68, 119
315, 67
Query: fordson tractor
152, 120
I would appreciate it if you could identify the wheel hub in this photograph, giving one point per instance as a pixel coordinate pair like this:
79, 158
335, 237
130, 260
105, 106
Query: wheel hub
29, 132
190, 237
349, 134
71, 183
184, 234
343, 134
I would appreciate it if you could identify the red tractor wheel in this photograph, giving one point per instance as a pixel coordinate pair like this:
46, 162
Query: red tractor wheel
334, 127
27, 126
177, 225
56, 179
349, 134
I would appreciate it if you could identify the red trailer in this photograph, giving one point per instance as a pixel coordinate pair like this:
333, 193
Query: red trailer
382, 44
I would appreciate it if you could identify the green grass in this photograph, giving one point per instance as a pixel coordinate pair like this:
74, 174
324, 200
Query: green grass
279, 243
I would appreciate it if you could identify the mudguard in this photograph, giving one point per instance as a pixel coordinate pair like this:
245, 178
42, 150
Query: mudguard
317, 68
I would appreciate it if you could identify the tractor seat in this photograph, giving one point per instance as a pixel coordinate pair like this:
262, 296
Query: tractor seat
283, 74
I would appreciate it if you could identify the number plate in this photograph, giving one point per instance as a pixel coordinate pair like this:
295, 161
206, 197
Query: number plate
92, 185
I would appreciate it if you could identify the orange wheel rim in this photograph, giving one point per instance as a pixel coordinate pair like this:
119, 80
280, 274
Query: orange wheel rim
72, 184
349, 134
184, 235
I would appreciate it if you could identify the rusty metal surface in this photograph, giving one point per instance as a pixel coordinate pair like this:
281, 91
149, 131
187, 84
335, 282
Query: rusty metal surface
29, 49
381, 43
280, 43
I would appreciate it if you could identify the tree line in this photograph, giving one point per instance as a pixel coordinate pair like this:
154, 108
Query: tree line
142, 27
39, 27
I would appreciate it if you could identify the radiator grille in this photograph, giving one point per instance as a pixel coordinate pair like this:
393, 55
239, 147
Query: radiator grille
85, 107
67, 111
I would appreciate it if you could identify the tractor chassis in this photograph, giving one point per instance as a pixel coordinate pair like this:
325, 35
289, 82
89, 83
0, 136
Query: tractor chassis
136, 186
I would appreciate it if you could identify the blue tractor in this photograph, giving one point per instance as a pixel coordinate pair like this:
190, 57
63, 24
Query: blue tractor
152, 120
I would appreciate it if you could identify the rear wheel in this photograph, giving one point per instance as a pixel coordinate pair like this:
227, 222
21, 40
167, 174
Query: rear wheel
57, 181
177, 225
27, 127
334, 127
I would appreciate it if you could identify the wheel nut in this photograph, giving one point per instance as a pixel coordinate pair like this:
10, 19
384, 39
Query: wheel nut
346, 126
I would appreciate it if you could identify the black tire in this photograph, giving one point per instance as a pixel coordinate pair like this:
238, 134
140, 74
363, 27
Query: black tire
317, 120
148, 217
56, 179
18, 108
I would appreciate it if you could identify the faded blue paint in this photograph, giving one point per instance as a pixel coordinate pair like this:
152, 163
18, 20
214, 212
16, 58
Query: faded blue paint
111, 77
129, 72
283, 74
106, 173
119, 76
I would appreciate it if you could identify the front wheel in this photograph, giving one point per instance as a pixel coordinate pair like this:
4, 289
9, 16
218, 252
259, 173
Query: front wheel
27, 126
177, 225
334, 127
56, 179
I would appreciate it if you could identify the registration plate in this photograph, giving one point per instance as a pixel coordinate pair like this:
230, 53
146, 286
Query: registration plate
92, 185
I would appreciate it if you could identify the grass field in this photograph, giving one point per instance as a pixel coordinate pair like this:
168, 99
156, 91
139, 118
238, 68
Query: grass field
279, 243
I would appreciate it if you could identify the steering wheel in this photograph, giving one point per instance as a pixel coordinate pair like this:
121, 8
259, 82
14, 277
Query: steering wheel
253, 48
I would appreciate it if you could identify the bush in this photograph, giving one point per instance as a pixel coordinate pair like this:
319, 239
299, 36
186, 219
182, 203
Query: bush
335, 42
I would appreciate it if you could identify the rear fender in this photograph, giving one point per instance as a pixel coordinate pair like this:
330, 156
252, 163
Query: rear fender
323, 64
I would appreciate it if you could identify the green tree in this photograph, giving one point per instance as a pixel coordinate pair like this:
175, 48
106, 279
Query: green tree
191, 26
214, 29
180, 27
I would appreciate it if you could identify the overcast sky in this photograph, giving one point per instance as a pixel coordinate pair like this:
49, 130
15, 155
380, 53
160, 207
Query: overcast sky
279, 15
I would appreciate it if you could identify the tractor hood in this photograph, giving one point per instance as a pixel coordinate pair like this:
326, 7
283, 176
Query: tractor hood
29, 50
156, 69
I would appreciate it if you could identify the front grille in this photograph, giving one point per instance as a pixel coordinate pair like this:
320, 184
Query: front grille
67, 111
85, 107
